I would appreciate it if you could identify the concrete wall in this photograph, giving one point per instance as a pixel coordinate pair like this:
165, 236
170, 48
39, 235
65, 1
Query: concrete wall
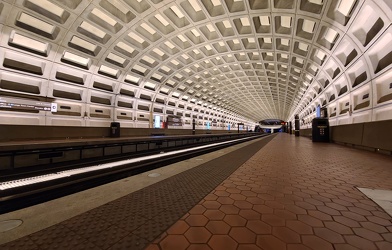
369, 135
306, 132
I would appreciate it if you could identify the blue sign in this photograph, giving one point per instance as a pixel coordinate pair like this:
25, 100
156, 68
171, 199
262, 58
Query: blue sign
318, 111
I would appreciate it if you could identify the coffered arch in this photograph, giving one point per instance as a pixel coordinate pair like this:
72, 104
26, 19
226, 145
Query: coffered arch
238, 60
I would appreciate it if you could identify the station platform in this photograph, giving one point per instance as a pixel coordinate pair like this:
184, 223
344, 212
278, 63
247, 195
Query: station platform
276, 192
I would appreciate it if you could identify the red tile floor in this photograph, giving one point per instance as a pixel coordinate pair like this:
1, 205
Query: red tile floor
292, 194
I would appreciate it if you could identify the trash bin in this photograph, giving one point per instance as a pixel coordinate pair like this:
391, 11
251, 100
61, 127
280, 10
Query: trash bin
115, 129
320, 130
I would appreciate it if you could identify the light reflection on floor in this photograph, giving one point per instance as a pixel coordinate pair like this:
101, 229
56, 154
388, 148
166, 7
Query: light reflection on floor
382, 197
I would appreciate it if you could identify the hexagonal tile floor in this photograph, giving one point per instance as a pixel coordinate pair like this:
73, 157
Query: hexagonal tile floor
291, 195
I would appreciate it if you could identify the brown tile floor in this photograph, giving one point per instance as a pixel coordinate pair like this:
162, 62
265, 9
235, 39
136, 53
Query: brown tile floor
293, 194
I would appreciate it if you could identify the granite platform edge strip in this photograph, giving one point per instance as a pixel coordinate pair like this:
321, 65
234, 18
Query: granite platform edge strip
135, 220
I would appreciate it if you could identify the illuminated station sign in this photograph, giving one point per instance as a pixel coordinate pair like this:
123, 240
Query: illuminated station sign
23, 104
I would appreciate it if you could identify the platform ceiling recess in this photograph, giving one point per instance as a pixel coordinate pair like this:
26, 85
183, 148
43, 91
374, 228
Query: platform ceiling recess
229, 61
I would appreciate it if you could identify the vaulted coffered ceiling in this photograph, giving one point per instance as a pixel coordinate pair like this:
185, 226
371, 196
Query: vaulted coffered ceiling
255, 58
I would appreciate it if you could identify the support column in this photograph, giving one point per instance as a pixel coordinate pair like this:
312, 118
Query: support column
296, 125
151, 121
193, 126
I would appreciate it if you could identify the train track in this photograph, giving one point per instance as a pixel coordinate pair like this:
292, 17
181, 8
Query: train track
24, 191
